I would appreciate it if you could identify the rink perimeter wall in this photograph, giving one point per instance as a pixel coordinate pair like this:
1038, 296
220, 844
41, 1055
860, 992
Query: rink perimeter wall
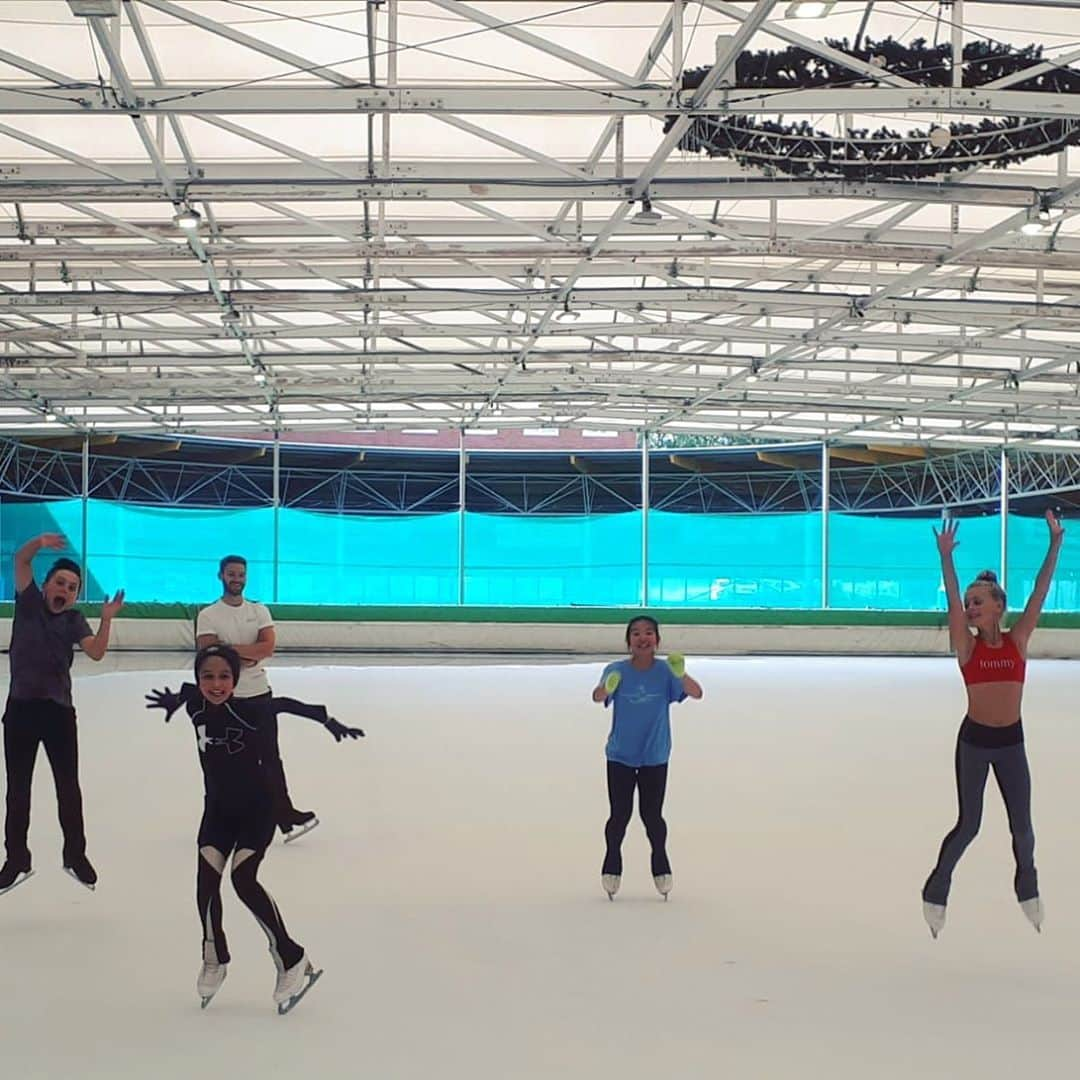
567, 631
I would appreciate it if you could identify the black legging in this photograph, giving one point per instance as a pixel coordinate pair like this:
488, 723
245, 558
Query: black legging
651, 783
256, 899
1011, 772
26, 724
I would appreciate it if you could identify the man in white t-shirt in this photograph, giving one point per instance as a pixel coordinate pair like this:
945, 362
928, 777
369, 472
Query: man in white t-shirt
249, 628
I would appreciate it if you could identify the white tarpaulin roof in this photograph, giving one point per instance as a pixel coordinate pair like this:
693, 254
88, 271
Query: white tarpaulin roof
438, 229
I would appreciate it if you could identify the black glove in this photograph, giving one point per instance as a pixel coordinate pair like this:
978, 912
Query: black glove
340, 731
164, 699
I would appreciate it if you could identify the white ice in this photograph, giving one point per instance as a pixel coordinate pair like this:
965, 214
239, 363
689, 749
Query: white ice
452, 891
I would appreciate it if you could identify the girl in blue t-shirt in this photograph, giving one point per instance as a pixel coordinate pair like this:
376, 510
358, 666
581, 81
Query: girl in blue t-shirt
641, 688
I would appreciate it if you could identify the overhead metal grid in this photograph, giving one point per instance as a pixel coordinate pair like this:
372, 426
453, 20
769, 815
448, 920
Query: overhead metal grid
273, 216
201, 473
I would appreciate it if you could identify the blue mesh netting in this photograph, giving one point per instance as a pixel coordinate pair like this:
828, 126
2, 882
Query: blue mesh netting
701, 560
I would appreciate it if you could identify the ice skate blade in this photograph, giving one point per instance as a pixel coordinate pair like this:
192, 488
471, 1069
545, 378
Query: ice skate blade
74, 877
1033, 911
287, 1006
24, 876
206, 1001
300, 830
934, 915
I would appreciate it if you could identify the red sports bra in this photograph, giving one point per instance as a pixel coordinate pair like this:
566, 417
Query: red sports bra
994, 665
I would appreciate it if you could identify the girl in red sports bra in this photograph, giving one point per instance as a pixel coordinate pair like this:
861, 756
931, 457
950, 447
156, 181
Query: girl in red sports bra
993, 664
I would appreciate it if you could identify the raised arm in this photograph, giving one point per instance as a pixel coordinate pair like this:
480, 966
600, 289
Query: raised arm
691, 687
609, 683
1023, 628
24, 557
959, 635
318, 714
96, 645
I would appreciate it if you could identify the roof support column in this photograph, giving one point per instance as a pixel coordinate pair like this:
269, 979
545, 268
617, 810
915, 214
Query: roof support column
644, 517
824, 524
463, 461
1003, 510
85, 508
276, 497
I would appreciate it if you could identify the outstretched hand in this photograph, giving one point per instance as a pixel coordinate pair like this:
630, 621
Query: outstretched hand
340, 731
55, 541
1057, 530
109, 608
946, 539
164, 699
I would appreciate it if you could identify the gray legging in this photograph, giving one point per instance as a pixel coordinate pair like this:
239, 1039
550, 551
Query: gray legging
1013, 778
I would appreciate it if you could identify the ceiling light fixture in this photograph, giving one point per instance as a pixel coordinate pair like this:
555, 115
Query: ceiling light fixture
647, 215
1037, 220
187, 219
809, 9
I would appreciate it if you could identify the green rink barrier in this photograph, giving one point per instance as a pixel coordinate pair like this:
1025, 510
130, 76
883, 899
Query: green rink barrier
331, 613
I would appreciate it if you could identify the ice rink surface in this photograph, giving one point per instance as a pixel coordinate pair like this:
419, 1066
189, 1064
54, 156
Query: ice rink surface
452, 891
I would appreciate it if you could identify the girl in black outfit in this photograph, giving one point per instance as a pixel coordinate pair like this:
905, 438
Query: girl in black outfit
238, 816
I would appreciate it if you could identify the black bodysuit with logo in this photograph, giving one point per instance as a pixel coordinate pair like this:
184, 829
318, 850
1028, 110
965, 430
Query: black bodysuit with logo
238, 814
234, 748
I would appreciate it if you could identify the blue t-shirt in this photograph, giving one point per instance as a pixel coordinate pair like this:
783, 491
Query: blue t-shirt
641, 728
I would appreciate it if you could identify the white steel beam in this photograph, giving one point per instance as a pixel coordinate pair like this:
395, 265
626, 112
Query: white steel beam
22, 185
537, 100
569, 56
290, 59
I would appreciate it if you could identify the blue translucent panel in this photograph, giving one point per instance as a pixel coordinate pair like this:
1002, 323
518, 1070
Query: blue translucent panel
349, 559
1028, 540
21, 521
695, 560
892, 563
553, 560
169, 553
734, 560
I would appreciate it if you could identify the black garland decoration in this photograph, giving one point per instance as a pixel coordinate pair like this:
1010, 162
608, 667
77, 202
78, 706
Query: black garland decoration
799, 150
